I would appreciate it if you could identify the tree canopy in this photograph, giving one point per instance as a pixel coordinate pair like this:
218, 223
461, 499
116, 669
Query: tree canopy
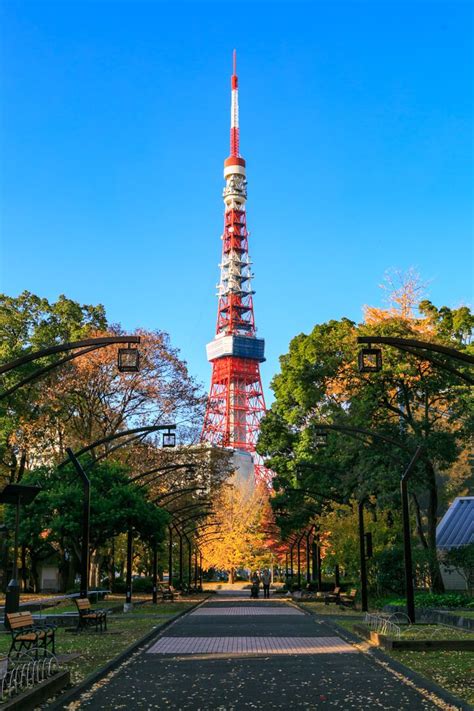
410, 401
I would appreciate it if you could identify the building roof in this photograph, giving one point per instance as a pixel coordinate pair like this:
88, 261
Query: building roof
456, 528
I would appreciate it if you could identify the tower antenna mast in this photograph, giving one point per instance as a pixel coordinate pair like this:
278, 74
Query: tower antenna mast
236, 403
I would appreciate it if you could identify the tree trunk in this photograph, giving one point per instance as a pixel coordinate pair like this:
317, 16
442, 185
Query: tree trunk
34, 573
111, 566
63, 569
432, 520
24, 573
231, 575
419, 523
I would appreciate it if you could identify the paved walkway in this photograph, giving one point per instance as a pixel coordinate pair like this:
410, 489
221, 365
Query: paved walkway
233, 653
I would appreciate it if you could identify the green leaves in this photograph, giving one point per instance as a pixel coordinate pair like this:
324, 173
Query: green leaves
409, 401
55, 517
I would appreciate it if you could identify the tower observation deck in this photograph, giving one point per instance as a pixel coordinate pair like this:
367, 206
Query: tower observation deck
236, 403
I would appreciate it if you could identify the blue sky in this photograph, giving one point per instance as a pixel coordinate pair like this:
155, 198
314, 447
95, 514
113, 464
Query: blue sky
355, 124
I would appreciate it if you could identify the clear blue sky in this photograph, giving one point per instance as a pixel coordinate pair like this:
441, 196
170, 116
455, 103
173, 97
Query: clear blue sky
355, 123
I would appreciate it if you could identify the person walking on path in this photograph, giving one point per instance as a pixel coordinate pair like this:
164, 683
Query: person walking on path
255, 585
266, 580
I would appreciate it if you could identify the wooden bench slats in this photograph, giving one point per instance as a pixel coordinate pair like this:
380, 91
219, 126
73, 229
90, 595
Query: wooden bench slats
87, 615
83, 603
27, 634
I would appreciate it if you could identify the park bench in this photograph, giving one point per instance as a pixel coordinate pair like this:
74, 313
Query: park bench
28, 634
332, 596
88, 616
348, 599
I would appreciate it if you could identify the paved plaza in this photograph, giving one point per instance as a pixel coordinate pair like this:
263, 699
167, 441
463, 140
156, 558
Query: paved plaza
233, 653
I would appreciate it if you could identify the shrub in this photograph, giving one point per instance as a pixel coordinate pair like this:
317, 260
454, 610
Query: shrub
450, 600
119, 586
142, 585
389, 573
439, 601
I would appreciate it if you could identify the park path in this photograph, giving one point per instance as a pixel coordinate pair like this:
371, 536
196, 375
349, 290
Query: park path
235, 653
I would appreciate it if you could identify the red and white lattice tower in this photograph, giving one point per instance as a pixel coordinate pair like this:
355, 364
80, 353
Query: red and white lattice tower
236, 404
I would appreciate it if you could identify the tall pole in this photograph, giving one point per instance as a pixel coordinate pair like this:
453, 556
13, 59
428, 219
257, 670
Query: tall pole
170, 556
195, 567
180, 558
128, 585
189, 562
409, 588
86, 510
363, 568
318, 558
314, 561
236, 402
286, 567
308, 567
12, 597
200, 570
298, 553
291, 562
155, 574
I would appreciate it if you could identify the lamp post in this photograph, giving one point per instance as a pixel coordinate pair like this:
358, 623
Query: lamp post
170, 555
370, 359
357, 431
180, 557
155, 574
298, 553
180, 536
363, 567
128, 583
291, 560
86, 503
308, 561
86, 512
16, 494
128, 358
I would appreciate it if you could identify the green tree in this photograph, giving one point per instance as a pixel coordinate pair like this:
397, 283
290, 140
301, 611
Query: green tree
29, 323
410, 401
461, 559
54, 520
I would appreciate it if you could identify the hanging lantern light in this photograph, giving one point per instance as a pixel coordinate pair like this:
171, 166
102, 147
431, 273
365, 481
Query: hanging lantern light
321, 438
169, 439
370, 360
128, 360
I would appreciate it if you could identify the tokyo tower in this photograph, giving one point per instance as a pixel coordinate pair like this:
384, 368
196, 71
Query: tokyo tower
236, 403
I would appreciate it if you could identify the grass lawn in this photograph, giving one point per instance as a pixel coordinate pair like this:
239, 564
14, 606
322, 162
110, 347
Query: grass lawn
96, 649
452, 670
330, 610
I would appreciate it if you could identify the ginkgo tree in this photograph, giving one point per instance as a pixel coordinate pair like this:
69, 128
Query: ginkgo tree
240, 540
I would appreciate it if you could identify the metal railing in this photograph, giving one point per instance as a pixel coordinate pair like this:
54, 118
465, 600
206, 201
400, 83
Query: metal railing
25, 671
51, 601
382, 625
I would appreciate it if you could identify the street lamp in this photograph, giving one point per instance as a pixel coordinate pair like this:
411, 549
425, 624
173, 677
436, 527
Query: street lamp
169, 439
370, 360
356, 432
80, 347
16, 494
73, 457
128, 360
320, 439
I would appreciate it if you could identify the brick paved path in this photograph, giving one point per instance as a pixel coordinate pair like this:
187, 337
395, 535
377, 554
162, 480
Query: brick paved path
234, 654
